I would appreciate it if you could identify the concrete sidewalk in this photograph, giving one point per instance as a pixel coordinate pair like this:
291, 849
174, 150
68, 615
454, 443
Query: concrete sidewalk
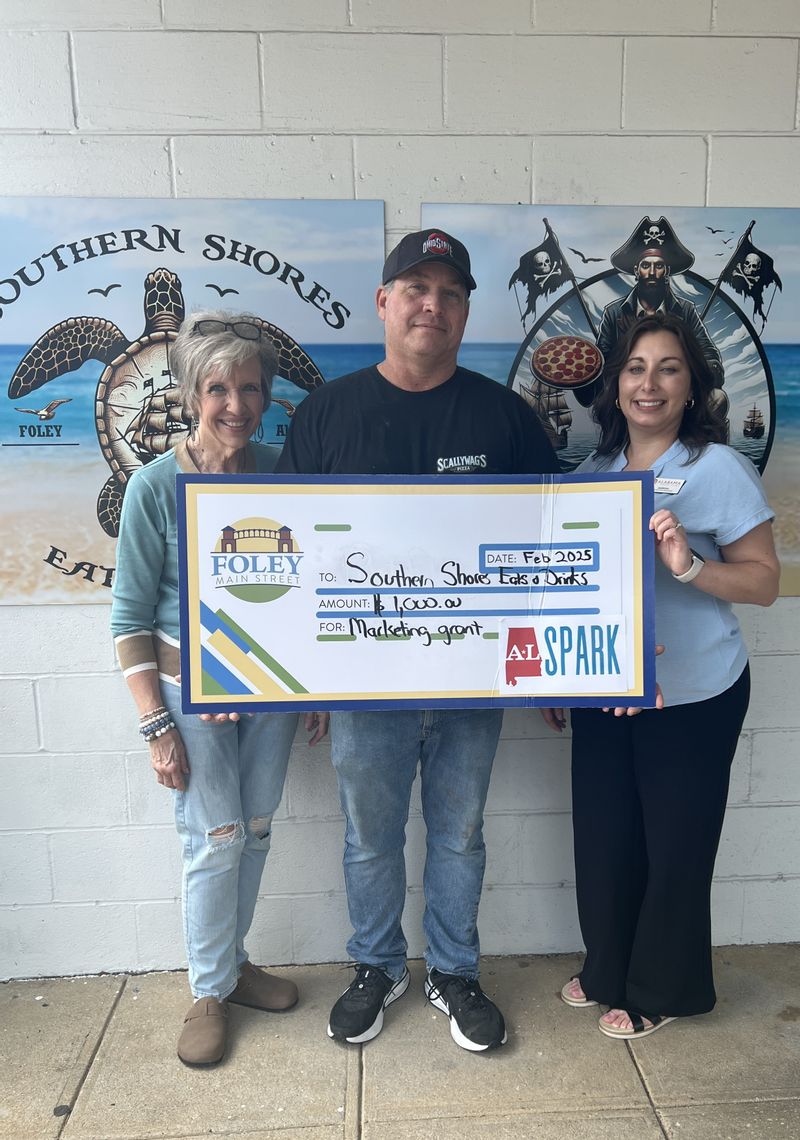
95, 1058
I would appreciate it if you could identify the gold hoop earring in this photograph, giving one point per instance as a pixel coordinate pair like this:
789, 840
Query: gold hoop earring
616, 405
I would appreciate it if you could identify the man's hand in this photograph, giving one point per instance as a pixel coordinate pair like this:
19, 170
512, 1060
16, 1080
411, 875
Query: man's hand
317, 724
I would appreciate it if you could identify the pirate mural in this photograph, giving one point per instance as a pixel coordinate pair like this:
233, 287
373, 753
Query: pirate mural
734, 269
651, 271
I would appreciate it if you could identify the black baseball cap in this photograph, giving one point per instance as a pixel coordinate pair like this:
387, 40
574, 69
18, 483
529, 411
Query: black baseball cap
428, 245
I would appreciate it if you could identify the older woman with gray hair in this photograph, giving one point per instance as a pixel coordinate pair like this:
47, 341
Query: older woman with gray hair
226, 773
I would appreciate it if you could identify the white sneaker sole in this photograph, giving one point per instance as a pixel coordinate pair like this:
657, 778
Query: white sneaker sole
397, 991
455, 1032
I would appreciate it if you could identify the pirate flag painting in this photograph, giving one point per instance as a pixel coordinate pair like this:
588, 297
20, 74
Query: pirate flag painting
750, 271
540, 270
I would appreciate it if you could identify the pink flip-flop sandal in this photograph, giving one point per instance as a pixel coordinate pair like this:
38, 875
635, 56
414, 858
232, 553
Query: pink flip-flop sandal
576, 1003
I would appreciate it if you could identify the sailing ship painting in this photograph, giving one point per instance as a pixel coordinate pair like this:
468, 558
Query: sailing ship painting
159, 425
753, 427
551, 407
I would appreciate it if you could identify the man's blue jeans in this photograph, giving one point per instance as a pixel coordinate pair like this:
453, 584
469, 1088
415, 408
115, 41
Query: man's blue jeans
376, 755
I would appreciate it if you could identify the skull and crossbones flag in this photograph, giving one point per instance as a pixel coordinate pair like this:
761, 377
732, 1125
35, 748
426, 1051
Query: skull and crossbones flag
541, 270
749, 272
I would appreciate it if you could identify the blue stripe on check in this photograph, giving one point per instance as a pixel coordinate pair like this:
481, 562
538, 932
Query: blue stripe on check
214, 667
213, 622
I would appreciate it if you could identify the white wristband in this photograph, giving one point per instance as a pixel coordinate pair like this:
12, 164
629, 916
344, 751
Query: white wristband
689, 575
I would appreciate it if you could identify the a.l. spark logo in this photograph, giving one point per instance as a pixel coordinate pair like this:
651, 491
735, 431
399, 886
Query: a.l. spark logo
257, 560
522, 655
572, 648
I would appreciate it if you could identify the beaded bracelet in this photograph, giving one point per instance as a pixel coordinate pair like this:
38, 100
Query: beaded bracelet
153, 714
152, 731
154, 719
154, 725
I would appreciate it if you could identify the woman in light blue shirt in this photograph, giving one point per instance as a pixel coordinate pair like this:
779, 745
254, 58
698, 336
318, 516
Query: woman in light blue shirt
649, 790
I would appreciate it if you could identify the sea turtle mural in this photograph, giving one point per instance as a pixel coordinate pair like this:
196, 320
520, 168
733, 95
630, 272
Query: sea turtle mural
138, 409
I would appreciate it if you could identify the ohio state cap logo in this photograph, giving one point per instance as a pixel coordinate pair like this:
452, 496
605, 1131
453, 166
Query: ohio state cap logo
437, 244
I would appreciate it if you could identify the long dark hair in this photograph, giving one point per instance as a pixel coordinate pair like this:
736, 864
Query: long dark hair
702, 423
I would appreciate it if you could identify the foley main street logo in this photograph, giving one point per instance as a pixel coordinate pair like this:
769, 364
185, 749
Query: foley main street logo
255, 559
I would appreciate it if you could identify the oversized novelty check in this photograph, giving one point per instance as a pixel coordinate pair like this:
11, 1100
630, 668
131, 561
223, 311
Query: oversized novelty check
327, 592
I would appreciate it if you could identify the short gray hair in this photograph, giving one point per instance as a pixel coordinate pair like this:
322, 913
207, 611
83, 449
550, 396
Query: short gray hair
193, 356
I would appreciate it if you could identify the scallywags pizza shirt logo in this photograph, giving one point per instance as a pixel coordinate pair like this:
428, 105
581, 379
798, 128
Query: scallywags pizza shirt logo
256, 560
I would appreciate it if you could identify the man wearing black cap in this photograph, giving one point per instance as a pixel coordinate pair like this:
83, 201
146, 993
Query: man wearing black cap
416, 412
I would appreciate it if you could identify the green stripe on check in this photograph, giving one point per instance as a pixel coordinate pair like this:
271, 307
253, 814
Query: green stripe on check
264, 657
210, 687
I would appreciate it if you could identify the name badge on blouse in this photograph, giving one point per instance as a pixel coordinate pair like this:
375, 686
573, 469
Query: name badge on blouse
668, 486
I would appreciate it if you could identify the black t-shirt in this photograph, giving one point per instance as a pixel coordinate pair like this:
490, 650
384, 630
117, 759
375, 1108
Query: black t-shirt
361, 424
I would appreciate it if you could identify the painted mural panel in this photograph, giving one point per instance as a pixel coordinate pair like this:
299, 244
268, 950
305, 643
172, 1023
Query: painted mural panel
558, 284
92, 292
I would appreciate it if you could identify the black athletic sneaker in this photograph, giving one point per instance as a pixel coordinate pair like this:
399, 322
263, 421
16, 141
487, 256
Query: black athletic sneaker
358, 1014
475, 1022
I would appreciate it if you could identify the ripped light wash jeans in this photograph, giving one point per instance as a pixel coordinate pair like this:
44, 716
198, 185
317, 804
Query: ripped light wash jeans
376, 756
236, 777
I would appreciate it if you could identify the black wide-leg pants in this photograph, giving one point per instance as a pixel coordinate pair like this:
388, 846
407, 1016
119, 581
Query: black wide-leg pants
649, 794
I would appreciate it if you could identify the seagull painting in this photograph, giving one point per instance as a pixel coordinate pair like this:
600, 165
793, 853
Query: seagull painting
222, 292
106, 291
583, 256
47, 413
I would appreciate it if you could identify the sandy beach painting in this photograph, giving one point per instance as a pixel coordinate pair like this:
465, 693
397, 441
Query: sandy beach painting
552, 271
92, 292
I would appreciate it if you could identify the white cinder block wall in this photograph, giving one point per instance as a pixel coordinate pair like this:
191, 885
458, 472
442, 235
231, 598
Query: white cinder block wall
610, 101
